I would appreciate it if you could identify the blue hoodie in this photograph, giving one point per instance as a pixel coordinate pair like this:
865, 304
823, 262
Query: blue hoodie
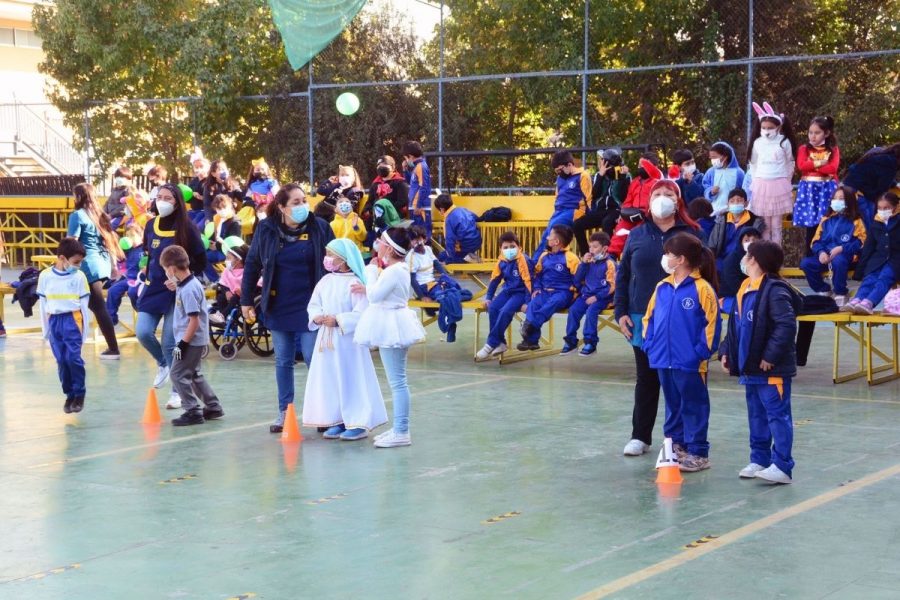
725, 178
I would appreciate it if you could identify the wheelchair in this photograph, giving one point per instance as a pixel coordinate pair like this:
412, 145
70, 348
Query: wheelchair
232, 335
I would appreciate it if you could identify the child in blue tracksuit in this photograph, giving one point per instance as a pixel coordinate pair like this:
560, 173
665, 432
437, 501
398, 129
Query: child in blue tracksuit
418, 176
760, 348
554, 285
63, 292
835, 245
879, 264
596, 283
133, 246
574, 189
725, 175
461, 234
514, 271
681, 332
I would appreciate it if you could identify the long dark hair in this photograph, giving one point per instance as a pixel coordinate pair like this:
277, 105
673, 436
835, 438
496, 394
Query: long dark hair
826, 124
281, 197
892, 149
851, 210
86, 201
787, 130
181, 222
213, 183
696, 254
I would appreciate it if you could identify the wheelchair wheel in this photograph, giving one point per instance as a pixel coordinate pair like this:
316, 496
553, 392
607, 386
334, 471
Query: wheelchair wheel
205, 352
216, 334
228, 351
259, 339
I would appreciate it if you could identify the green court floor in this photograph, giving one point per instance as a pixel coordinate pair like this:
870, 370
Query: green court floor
514, 487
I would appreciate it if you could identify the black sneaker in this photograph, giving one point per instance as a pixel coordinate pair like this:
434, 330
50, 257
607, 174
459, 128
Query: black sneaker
213, 413
67, 407
189, 418
77, 404
525, 346
110, 355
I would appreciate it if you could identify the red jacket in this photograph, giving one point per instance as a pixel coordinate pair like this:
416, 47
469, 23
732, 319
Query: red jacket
806, 155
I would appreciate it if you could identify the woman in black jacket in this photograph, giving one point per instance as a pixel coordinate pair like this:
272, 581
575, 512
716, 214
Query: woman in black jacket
760, 348
287, 251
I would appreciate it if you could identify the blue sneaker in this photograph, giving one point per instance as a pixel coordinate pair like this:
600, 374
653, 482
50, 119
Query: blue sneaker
568, 348
333, 433
354, 434
588, 349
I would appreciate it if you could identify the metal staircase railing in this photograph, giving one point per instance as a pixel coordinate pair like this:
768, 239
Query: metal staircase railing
41, 138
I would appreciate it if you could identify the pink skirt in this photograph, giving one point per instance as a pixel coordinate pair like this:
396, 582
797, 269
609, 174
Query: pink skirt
771, 197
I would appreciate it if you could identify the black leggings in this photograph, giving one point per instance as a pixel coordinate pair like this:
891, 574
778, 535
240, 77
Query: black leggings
98, 306
646, 398
601, 217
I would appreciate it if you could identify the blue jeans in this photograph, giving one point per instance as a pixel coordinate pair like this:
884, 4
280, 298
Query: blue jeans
840, 264
769, 416
146, 335
876, 285
287, 344
394, 361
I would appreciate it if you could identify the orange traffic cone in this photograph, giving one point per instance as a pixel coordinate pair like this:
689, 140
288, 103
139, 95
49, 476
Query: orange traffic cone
667, 468
151, 410
291, 454
291, 432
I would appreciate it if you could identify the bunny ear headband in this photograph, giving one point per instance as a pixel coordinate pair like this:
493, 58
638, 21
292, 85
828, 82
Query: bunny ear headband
766, 110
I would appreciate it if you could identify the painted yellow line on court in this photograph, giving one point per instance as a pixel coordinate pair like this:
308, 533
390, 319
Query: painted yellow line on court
738, 534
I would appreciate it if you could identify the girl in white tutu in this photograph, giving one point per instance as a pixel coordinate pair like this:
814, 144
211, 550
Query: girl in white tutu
390, 325
342, 391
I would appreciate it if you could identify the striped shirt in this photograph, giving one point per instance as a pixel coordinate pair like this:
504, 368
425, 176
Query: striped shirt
62, 292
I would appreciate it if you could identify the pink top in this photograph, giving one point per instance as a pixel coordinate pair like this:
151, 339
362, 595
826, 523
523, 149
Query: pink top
231, 278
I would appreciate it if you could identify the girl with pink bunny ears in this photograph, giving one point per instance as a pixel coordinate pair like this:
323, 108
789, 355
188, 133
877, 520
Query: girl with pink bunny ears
772, 154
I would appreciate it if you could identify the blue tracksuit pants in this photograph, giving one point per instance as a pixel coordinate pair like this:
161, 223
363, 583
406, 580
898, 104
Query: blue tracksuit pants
840, 264
769, 415
875, 286
114, 297
542, 308
590, 314
560, 217
502, 310
66, 339
687, 409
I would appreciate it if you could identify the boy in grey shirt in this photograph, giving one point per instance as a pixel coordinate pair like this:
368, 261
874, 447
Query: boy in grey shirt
190, 326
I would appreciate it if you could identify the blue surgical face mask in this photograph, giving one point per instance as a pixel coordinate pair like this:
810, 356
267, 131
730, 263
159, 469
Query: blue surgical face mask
299, 213
838, 205
73, 268
510, 253
736, 209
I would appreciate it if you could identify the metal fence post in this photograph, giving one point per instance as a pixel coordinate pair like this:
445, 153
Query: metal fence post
87, 146
749, 107
309, 116
440, 131
584, 81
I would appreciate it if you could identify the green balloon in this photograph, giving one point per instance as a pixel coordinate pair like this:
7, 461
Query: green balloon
230, 242
125, 244
347, 103
142, 264
205, 242
186, 193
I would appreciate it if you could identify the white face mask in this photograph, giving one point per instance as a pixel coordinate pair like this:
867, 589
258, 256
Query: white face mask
261, 216
769, 134
747, 246
689, 169
345, 181
717, 163
229, 264
885, 214
664, 263
224, 213
164, 208
662, 207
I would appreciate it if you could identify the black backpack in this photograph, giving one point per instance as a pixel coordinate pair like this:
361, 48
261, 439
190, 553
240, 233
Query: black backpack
498, 214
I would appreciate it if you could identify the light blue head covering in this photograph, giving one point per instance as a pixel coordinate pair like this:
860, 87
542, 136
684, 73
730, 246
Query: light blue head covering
351, 255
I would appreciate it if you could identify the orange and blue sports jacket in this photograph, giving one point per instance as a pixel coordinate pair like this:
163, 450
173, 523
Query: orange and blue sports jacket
419, 180
682, 324
837, 230
597, 279
555, 271
573, 192
515, 275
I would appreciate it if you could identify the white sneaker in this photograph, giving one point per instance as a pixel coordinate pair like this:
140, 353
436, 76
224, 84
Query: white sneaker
499, 349
484, 353
217, 318
635, 448
382, 434
162, 373
393, 440
472, 258
174, 401
750, 471
774, 475
840, 300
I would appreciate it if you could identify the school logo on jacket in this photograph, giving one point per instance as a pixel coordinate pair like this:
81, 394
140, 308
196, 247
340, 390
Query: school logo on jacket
572, 185
559, 267
845, 238
515, 274
687, 303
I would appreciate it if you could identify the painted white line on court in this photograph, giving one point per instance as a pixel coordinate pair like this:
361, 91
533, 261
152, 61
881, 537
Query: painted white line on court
738, 534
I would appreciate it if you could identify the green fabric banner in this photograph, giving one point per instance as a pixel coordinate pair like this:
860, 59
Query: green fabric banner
307, 26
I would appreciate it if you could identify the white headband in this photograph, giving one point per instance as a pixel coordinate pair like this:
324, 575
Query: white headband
235, 254
387, 239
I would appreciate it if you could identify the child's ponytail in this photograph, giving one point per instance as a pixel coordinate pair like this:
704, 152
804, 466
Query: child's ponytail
708, 268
